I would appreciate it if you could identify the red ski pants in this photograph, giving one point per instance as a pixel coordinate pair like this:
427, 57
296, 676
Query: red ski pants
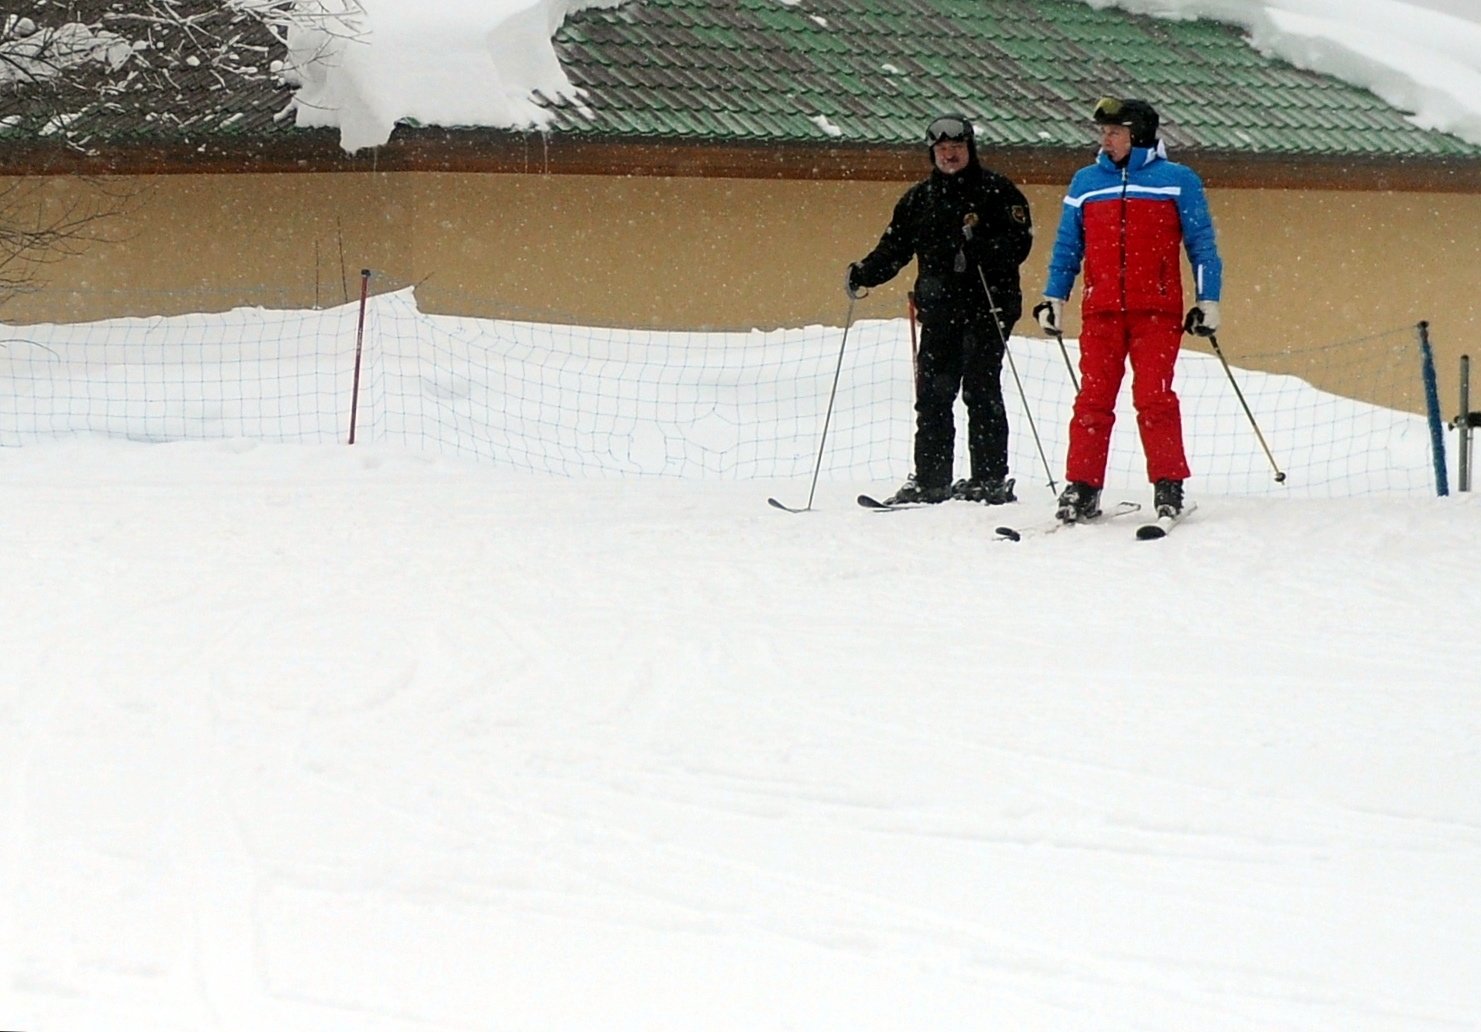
1151, 340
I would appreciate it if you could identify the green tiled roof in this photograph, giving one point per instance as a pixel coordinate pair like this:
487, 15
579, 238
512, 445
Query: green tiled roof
869, 73
1028, 71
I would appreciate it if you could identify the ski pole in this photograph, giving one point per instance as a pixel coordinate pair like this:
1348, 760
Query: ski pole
1075, 380
1214, 340
968, 224
914, 345
1023, 395
1059, 336
848, 321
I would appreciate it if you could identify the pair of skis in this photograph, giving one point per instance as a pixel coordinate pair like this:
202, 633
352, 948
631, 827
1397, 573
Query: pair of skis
1151, 530
1148, 531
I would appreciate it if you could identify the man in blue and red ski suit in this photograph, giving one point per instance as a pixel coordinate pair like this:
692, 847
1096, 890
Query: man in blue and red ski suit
1125, 217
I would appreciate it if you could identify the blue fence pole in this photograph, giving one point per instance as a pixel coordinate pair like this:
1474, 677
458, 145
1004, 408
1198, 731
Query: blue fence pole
1432, 404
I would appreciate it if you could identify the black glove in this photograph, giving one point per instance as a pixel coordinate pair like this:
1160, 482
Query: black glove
974, 246
985, 248
1050, 315
851, 281
1203, 319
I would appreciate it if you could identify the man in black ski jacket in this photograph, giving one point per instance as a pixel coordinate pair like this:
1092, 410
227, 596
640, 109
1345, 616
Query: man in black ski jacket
969, 230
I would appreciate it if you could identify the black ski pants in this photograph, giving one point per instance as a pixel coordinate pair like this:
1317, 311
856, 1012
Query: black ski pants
960, 354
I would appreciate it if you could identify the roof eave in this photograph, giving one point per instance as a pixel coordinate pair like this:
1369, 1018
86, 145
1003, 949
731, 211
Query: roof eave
532, 153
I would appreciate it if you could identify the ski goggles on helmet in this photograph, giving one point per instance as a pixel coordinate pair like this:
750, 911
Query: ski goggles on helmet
1110, 111
948, 127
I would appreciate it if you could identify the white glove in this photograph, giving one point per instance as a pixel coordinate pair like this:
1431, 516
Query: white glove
1050, 313
1203, 319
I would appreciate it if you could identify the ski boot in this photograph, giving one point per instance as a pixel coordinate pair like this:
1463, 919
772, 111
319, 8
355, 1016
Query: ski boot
987, 490
1167, 497
914, 493
1078, 502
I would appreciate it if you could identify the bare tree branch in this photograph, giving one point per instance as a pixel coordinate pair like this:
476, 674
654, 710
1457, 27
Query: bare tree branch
70, 72
41, 225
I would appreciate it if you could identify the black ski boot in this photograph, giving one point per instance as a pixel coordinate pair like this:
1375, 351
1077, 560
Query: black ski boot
1078, 502
913, 493
1167, 497
987, 490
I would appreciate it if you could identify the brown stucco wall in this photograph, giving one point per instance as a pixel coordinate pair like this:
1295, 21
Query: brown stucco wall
1302, 267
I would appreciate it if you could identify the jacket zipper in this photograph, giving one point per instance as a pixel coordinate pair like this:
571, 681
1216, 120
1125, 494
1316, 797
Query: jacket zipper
1125, 172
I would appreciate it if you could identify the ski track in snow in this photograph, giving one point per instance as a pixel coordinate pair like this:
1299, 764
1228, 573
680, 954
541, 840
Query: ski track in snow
318, 739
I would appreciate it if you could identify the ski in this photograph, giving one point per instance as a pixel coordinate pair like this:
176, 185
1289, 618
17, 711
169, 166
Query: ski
957, 495
870, 502
876, 505
867, 501
1159, 527
1055, 525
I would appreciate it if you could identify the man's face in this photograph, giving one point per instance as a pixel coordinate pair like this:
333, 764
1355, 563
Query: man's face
1115, 140
950, 155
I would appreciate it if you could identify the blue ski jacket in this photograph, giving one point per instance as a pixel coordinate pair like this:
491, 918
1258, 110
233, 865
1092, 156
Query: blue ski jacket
1125, 225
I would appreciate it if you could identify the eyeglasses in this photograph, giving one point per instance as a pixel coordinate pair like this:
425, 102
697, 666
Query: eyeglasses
947, 129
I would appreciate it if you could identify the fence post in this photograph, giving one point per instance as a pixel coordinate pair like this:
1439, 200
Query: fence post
1432, 404
359, 350
1463, 456
1465, 423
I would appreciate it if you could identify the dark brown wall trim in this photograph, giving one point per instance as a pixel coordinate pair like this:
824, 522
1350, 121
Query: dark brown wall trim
437, 150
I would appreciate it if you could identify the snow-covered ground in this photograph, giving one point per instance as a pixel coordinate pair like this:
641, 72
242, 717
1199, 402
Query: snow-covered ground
314, 738
309, 737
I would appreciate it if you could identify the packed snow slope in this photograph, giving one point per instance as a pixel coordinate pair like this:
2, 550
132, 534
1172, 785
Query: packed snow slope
315, 738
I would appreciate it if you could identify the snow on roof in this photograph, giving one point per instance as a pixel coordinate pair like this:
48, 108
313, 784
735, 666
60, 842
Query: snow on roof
362, 66
1421, 56
452, 63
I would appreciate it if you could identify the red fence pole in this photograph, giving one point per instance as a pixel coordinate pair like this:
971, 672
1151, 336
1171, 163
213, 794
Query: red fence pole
359, 350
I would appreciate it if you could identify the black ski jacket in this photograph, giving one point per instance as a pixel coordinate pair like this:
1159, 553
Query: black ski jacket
927, 225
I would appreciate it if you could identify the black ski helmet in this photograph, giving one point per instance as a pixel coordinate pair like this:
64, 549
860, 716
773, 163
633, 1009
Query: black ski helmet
1137, 115
953, 125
